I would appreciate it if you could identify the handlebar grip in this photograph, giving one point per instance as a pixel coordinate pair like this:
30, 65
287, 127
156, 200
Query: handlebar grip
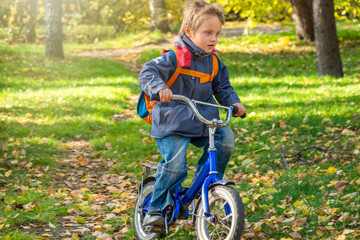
235, 110
154, 97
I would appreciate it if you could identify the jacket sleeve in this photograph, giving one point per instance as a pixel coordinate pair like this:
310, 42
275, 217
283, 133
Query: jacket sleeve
155, 73
223, 91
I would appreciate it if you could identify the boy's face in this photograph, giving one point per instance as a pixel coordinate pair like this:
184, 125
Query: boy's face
207, 35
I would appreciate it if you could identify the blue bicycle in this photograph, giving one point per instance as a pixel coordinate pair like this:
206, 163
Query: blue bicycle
218, 213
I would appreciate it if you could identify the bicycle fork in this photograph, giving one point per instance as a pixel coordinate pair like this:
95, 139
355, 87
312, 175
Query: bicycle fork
207, 176
213, 173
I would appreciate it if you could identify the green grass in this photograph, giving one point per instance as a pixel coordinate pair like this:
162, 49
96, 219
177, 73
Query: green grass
46, 104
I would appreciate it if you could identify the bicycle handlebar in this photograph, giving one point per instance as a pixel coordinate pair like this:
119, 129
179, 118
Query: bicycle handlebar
230, 110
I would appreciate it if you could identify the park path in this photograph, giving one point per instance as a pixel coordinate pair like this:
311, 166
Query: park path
129, 56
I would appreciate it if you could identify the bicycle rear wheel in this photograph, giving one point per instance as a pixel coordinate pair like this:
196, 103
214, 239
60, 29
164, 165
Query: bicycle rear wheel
227, 209
139, 213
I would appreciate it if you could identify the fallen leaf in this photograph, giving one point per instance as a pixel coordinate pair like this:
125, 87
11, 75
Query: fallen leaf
298, 204
80, 220
295, 235
340, 186
282, 124
348, 231
331, 170
8, 173
344, 217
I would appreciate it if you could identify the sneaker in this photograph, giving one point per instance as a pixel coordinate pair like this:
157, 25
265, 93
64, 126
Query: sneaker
154, 219
183, 212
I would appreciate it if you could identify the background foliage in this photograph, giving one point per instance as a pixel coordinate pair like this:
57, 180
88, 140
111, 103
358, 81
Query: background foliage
111, 18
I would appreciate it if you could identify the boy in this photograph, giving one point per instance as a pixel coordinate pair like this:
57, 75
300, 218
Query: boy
174, 125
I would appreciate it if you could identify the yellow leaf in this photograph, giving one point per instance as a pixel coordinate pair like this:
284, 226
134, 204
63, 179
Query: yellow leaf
87, 209
246, 200
298, 204
284, 41
123, 207
99, 228
81, 220
331, 183
294, 131
283, 139
46, 235
271, 190
331, 170
268, 184
75, 237
305, 211
272, 218
256, 196
327, 144
116, 210
8, 173
257, 229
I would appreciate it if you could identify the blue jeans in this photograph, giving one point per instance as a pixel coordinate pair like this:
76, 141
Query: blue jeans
172, 170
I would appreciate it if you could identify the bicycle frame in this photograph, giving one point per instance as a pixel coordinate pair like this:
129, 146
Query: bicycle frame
208, 173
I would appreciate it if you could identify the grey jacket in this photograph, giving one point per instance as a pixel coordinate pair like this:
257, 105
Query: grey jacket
176, 118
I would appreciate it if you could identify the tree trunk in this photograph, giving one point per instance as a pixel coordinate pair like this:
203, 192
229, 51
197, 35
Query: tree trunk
54, 34
303, 16
32, 11
159, 16
327, 45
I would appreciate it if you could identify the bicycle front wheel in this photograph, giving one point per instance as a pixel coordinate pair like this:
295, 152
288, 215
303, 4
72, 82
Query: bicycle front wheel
227, 209
139, 213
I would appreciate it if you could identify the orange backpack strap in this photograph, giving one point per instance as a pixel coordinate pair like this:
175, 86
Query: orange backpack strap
215, 68
204, 77
176, 73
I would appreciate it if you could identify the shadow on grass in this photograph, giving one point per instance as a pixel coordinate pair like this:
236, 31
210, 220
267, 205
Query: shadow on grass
33, 71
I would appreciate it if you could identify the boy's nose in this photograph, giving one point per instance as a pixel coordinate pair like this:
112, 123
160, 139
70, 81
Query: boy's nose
213, 38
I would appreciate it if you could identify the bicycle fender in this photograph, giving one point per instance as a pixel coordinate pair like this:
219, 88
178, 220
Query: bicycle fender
146, 180
221, 182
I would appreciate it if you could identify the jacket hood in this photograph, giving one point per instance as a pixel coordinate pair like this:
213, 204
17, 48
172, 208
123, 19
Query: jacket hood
186, 48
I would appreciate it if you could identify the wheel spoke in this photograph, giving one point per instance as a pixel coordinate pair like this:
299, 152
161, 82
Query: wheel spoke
227, 217
223, 224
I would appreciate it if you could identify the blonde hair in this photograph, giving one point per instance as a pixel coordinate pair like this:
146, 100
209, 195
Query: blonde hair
196, 12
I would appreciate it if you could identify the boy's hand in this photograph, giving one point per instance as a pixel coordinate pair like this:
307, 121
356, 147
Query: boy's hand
165, 95
241, 109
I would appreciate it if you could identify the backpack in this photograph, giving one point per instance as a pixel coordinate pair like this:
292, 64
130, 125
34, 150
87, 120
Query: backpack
145, 106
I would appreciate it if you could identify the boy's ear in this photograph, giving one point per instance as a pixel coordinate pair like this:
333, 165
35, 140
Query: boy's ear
188, 31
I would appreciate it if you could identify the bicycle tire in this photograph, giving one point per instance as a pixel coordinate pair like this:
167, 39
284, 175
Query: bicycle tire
139, 215
229, 200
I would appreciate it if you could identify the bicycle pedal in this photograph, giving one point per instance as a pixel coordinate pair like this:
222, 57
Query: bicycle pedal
153, 229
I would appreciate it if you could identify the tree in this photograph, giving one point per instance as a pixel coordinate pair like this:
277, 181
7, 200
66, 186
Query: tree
54, 34
327, 46
159, 16
304, 21
32, 11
